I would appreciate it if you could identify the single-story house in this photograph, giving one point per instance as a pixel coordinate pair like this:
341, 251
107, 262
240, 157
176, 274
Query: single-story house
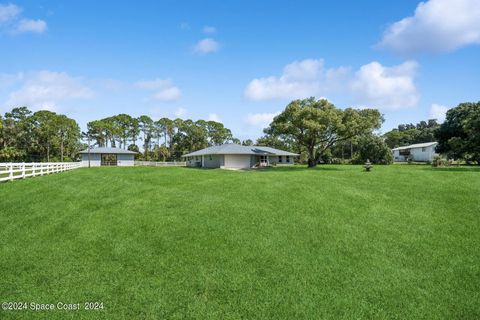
107, 157
235, 156
418, 152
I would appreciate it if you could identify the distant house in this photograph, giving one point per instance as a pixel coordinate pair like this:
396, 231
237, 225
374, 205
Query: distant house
107, 157
235, 156
417, 152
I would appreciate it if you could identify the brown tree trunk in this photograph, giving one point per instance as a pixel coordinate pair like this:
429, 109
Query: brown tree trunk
61, 151
312, 161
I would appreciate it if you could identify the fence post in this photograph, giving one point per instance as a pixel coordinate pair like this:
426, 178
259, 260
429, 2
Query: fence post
10, 175
23, 170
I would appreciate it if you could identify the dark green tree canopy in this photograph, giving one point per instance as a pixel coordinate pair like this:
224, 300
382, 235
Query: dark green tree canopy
407, 134
317, 125
459, 136
39, 136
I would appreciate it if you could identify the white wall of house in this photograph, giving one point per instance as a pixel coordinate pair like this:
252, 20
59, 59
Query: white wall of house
125, 160
95, 160
418, 154
213, 161
423, 154
281, 160
195, 161
237, 161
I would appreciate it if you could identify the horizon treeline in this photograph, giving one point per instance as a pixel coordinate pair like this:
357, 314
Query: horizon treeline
47, 136
161, 140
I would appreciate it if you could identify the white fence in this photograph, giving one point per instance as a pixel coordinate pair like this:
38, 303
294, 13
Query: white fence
10, 171
160, 164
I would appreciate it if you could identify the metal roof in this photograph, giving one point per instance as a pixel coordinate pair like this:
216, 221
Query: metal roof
418, 145
232, 148
108, 150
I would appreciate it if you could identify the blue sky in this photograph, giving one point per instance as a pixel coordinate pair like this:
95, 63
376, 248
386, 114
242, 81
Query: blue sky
239, 62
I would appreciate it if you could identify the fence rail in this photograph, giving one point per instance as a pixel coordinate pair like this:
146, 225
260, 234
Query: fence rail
160, 164
10, 171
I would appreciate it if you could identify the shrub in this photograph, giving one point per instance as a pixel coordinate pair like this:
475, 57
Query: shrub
439, 162
340, 161
410, 159
373, 148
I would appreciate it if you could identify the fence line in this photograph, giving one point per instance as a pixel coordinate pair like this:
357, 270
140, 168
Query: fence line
10, 171
160, 164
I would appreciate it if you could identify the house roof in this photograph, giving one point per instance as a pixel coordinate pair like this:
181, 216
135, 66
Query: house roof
108, 150
418, 145
232, 148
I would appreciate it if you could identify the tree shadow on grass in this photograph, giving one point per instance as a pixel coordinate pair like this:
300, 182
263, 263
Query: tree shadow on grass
295, 168
301, 168
454, 169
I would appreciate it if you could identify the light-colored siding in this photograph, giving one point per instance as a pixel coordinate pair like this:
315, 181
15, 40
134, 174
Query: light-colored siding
213, 161
281, 160
237, 161
427, 155
253, 161
125, 160
417, 154
95, 160
194, 161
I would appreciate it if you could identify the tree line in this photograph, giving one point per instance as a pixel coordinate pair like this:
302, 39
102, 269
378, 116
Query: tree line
47, 136
316, 129
458, 136
40, 136
407, 134
321, 132
161, 140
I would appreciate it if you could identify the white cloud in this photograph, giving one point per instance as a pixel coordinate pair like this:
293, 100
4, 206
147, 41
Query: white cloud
8, 12
438, 112
213, 117
28, 25
385, 87
47, 89
373, 84
153, 84
180, 112
299, 79
8, 80
205, 46
167, 94
9, 20
260, 120
164, 89
209, 29
436, 26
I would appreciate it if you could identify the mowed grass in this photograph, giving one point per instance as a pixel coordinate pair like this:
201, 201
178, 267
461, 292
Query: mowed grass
334, 242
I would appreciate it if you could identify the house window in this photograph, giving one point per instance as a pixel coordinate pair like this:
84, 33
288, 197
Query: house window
210, 157
424, 149
288, 158
279, 158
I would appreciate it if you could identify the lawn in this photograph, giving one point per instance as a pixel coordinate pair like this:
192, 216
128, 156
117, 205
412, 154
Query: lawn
400, 242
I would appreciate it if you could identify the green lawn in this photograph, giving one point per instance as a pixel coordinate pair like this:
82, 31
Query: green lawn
400, 242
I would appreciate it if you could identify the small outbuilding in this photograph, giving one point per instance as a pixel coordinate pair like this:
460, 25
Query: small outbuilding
416, 152
107, 157
235, 156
